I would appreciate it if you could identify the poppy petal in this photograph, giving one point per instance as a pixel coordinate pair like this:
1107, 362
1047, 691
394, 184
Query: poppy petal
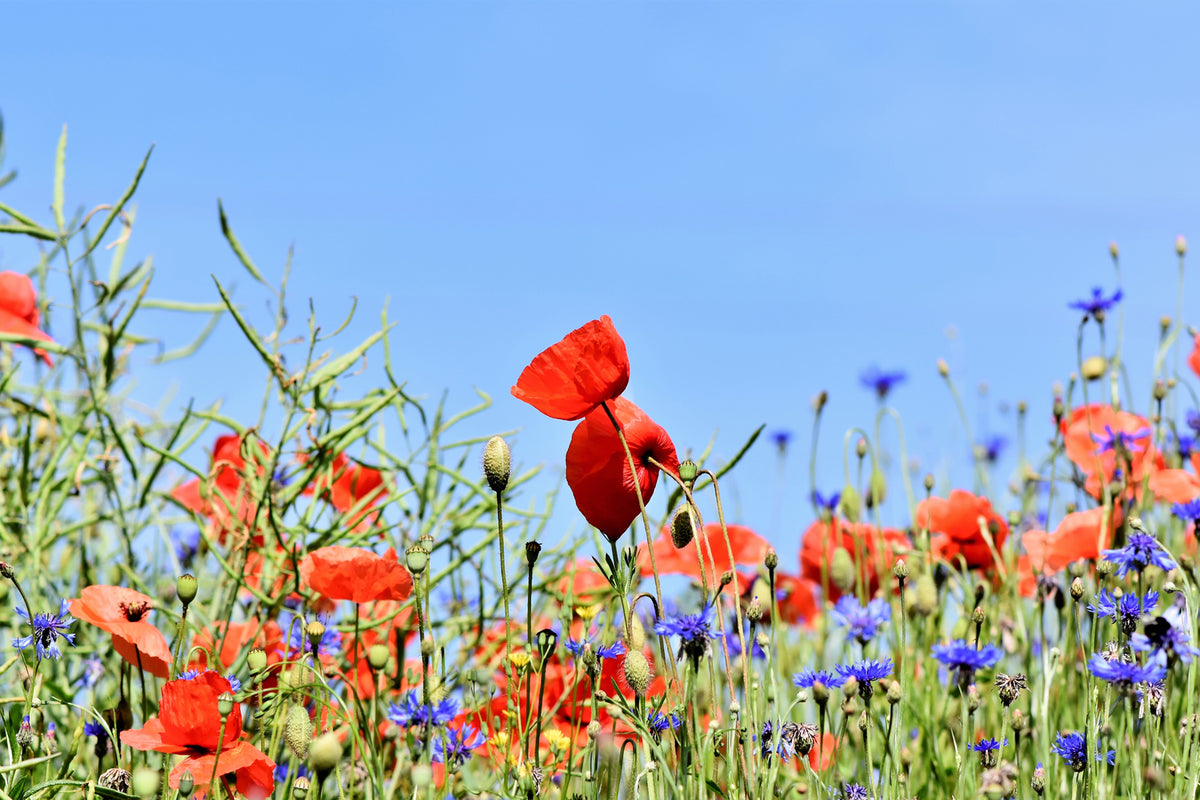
571, 378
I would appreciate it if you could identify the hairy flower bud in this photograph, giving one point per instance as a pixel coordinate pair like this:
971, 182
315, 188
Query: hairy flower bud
637, 672
841, 569
325, 752
1093, 367
850, 504
298, 730
927, 596
377, 656
684, 524
497, 463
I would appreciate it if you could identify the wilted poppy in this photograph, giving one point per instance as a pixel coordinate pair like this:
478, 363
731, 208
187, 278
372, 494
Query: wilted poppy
954, 523
189, 724
224, 497
748, 547
572, 378
354, 486
19, 312
598, 470
356, 574
823, 538
122, 612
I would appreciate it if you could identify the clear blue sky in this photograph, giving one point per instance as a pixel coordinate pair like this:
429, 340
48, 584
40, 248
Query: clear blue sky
766, 198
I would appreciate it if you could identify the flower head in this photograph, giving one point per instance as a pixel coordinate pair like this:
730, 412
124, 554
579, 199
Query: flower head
1188, 512
1166, 642
1125, 610
805, 678
863, 622
457, 746
955, 524
827, 503
989, 751
46, 630
411, 711
866, 671
882, 382
963, 659
1123, 675
694, 632
598, 471
1072, 748
990, 447
356, 574
19, 311
571, 379
1121, 441
1097, 304
124, 613
1141, 551
602, 651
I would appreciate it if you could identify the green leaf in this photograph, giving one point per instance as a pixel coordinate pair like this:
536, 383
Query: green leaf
251, 334
29, 230
238, 250
60, 177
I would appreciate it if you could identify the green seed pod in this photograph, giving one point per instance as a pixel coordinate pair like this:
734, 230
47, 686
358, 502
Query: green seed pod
1093, 368
298, 730
257, 660
377, 656
688, 471
876, 489
497, 463
225, 704
300, 787
416, 558
186, 784
186, 587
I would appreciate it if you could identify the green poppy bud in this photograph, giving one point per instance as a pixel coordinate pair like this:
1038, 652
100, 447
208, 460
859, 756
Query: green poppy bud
850, 504
497, 463
637, 672
324, 753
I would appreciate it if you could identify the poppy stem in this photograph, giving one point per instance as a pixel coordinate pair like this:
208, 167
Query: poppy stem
503, 580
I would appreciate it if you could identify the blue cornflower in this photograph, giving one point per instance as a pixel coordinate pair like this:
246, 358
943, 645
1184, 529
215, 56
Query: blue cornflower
785, 747
282, 770
410, 711
1124, 676
658, 722
1121, 441
882, 382
187, 675
1184, 445
781, 438
863, 623
186, 542
1126, 610
964, 659
694, 632
1141, 551
46, 630
1097, 304
603, 651
330, 644
989, 751
865, 671
1166, 642
824, 503
1072, 747
1193, 420
458, 745
235, 682
1188, 512
804, 679
93, 671
94, 728
855, 791
990, 448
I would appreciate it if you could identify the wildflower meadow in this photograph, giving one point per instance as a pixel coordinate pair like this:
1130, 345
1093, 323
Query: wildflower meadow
347, 597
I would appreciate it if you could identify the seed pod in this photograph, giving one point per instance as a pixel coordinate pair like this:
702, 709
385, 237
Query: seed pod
298, 731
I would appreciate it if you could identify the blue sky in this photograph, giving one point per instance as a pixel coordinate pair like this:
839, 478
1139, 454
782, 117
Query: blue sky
766, 198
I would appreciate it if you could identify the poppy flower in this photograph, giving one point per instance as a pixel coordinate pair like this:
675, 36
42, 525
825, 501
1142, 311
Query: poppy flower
1194, 356
354, 486
598, 470
224, 497
122, 612
748, 549
1100, 441
189, 724
356, 574
1174, 485
19, 312
228, 641
582, 584
1081, 535
572, 378
954, 524
822, 539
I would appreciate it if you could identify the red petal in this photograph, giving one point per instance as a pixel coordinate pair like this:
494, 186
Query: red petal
568, 380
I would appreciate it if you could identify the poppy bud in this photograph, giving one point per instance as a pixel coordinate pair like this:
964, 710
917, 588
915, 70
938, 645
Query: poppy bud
819, 400
637, 634
683, 525
257, 660
422, 776
225, 704
927, 596
144, 782
893, 693
377, 656
850, 504
314, 631
427, 647
688, 471
416, 558
860, 448
900, 570
943, 368
841, 569
876, 489
325, 752
1180, 246
593, 730
185, 588
497, 463
1093, 367
726, 578
532, 550
1076, 589
637, 672
929, 481
298, 730
186, 784
771, 560
300, 787
1113, 249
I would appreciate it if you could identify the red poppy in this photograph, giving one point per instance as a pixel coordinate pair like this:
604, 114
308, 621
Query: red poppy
823, 752
598, 469
748, 549
224, 497
1085, 425
795, 597
189, 724
583, 585
823, 538
572, 378
1174, 485
1194, 356
232, 639
1081, 535
955, 525
19, 312
122, 613
354, 486
356, 574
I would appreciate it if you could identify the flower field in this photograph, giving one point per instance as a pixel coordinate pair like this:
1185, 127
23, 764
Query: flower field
347, 597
